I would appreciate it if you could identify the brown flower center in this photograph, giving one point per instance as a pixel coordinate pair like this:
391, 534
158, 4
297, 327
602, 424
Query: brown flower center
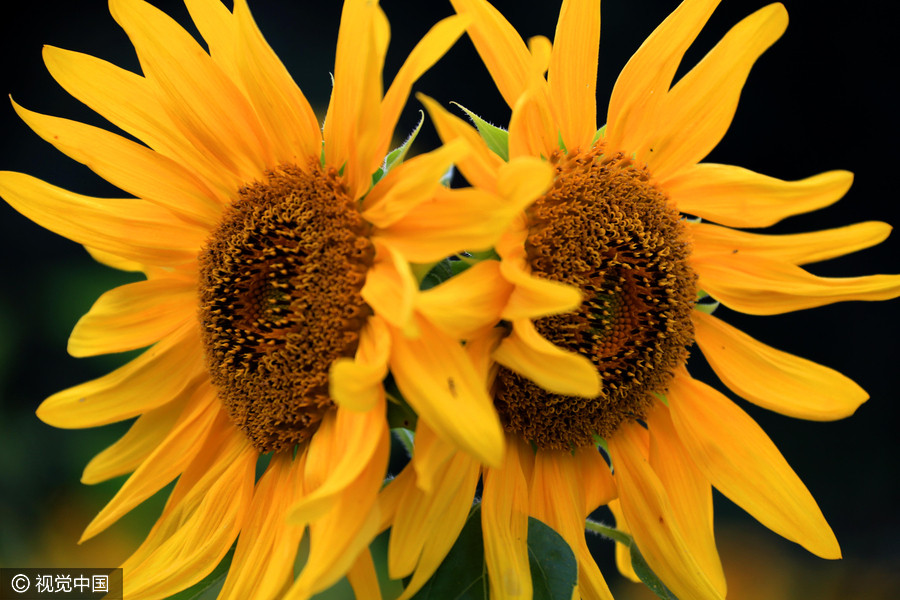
606, 229
280, 282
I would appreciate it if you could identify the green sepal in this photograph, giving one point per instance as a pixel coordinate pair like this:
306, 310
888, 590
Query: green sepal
398, 154
444, 270
463, 574
600, 133
661, 397
705, 303
497, 139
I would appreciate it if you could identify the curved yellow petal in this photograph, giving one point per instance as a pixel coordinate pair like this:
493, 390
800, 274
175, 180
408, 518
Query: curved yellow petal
623, 553
689, 492
500, 46
597, 482
573, 71
170, 458
431, 454
738, 197
554, 369
134, 316
739, 459
522, 180
480, 166
206, 105
646, 507
281, 107
114, 262
760, 286
132, 229
130, 166
795, 248
428, 51
410, 184
263, 563
218, 27
445, 512
363, 577
540, 48
353, 120
141, 439
201, 520
130, 102
355, 383
391, 288
158, 376
636, 101
437, 379
338, 537
346, 444
469, 304
532, 127
504, 523
698, 110
558, 500
773, 379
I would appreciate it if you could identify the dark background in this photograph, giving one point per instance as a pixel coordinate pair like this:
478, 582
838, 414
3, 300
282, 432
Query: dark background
820, 99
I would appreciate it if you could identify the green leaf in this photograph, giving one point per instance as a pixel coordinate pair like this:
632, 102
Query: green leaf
209, 587
608, 532
497, 139
647, 576
554, 570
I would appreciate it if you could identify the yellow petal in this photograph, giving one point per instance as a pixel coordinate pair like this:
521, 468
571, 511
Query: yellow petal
532, 296
480, 166
500, 46
282, 108
573, 71
353, 120
201, 520
431, 454
159, 375
623, 553
337, 537
363, 578
218, 27
128, 165
113, 261
355, 384
129, 228
558, 500
199, 97
130, 102
469, 304
263, 563
742, 462
795, 248
142, 438
428, 51
521, 181
597, 482
541, 49
170, 458
532, 127
773, 379
442, 515
649, 514
504, 522
554, 369
134, 316
738, 197
391, 287
689, 492
761, 286
348, 445
410, 184
435, 376
698, 110
635, 105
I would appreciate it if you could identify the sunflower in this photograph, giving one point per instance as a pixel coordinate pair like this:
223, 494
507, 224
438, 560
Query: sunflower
609, 285
279, 291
